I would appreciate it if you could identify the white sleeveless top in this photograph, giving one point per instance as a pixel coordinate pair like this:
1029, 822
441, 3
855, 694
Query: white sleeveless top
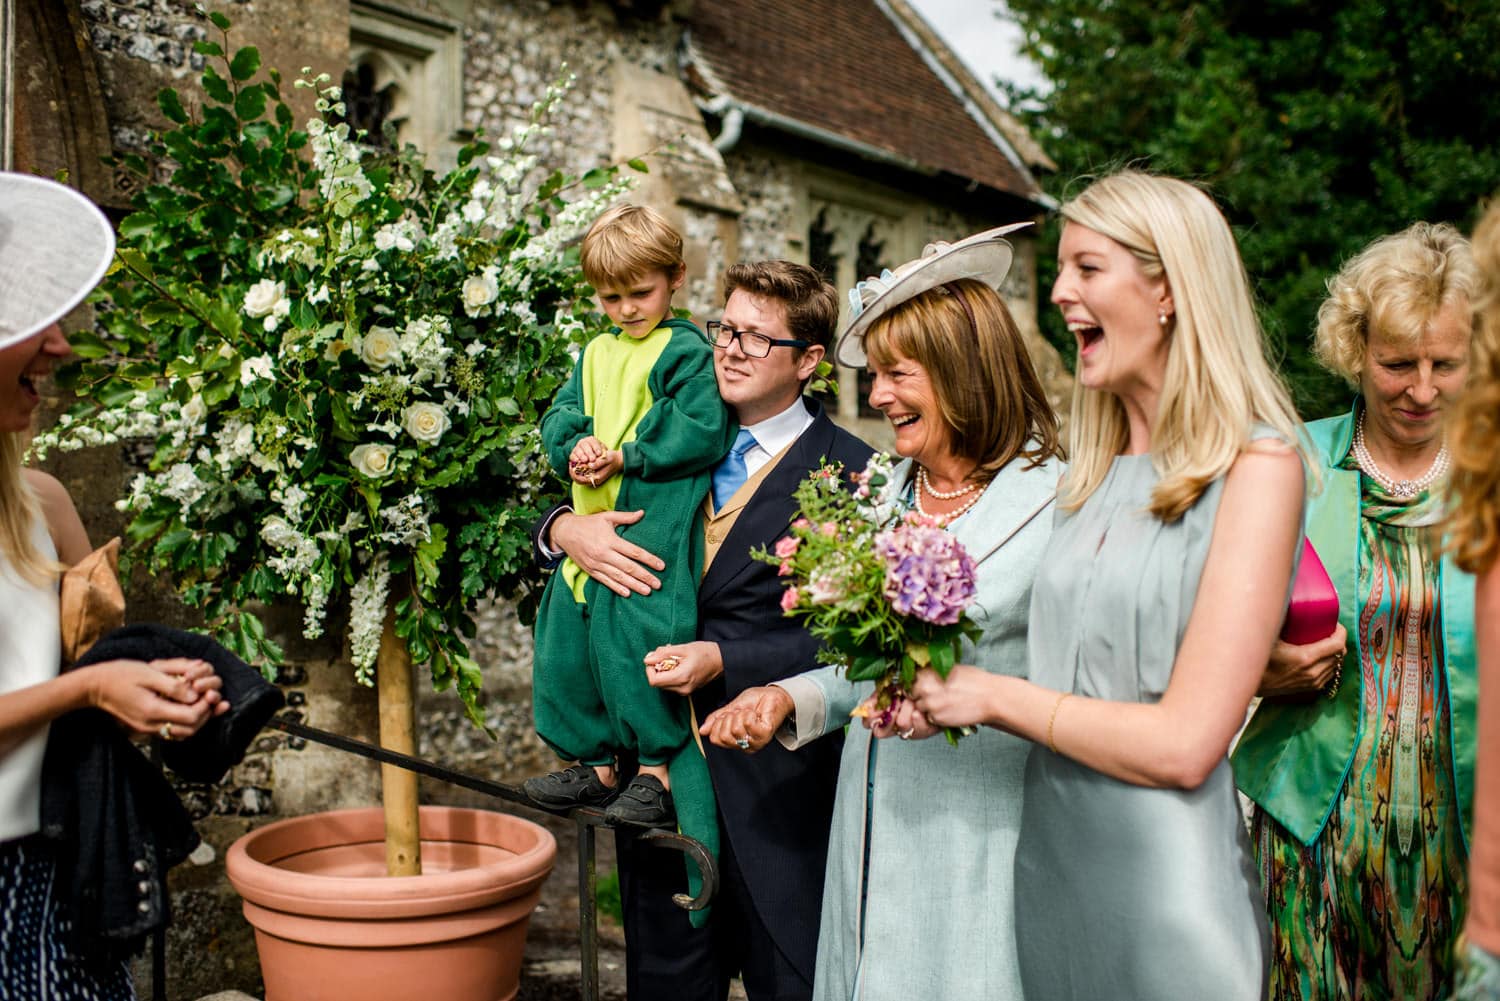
30, 653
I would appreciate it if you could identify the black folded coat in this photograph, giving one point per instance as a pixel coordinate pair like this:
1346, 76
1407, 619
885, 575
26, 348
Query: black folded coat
113, 821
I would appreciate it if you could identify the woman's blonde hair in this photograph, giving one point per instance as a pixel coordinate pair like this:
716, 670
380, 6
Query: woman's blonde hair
1218, 381
18, 513
986, 386
1396, 285
1474, 434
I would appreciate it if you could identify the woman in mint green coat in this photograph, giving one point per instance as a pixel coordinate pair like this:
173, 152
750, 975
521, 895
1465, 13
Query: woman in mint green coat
917, 898
1361, 764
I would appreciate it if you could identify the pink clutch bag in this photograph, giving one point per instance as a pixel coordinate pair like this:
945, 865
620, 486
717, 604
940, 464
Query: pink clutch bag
1314, 610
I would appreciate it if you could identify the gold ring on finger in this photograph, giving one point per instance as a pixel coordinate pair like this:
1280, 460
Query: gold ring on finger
166, 730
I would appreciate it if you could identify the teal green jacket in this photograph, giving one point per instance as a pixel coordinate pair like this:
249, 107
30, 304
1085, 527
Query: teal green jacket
1294, 757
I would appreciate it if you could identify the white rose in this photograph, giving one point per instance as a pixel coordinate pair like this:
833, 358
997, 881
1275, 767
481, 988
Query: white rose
380, 348
373, 461
263, 296
425, 422
385, 238
195, 411
252, 369
479, 291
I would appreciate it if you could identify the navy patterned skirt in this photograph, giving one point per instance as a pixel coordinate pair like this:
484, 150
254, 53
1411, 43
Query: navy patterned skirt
35, 961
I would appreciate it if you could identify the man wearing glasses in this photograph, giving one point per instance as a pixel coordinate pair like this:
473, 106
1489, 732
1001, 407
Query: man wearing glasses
774, 807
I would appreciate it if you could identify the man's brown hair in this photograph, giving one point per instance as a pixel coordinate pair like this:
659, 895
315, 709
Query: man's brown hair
812, 305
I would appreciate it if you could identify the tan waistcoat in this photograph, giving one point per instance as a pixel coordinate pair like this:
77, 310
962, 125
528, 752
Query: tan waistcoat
717, 524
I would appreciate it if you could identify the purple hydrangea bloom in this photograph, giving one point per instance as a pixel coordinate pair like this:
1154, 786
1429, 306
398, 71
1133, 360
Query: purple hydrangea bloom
928, 573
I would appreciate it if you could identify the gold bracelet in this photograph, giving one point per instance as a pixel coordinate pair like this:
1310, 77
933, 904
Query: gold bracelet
1052, 721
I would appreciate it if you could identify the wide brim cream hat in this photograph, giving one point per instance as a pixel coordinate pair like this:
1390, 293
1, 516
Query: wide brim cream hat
984, 257
55, 246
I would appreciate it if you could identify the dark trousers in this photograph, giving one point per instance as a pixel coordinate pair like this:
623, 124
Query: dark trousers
667, 959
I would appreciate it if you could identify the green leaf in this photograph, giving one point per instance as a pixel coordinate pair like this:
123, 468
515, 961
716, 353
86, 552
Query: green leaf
220, 21
941, 657
637, 164
245, 63
208, 48
250, 104
86, 344
216, 87
171, 105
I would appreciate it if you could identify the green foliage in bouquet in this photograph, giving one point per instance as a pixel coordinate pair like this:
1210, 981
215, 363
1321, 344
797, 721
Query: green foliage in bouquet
339, 360
884, 589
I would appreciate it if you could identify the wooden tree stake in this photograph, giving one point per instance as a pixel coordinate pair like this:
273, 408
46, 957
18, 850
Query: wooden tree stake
398, 732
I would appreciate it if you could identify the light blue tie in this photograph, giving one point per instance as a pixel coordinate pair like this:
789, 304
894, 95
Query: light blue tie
730, 474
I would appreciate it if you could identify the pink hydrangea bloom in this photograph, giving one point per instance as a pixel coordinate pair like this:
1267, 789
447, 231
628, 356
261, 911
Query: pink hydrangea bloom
928, 574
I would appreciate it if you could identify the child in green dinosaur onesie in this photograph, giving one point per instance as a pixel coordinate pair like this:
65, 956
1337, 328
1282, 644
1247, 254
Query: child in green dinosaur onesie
638, 426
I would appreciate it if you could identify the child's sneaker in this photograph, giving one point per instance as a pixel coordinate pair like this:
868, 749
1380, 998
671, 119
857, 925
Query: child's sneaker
644, 802
579, 785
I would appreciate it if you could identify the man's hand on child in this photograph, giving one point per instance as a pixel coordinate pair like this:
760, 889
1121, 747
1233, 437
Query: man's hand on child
683, 668
593, 542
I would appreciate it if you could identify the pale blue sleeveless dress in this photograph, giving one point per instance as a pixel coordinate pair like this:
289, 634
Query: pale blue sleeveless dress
1125, 892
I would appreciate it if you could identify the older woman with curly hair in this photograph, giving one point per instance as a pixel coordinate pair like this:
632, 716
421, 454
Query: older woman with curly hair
1475, 535
1362, 770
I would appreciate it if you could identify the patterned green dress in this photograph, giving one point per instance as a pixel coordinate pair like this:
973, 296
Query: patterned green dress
1372, 908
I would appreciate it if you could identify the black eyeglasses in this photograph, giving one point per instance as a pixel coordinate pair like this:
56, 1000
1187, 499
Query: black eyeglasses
754, 345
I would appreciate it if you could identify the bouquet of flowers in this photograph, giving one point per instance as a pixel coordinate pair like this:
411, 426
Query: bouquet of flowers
884, 590
337, 360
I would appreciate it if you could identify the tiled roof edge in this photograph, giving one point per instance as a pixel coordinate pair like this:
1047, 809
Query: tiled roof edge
921, 41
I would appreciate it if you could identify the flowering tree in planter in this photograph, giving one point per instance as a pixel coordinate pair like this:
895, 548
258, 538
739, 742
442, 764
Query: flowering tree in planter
339, 360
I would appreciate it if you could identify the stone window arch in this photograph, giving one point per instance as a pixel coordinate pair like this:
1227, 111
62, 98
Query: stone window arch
852, 235
406, 68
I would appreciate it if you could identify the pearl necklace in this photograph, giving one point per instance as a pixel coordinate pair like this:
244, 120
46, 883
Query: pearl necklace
1400, 489
922, 485
926, 484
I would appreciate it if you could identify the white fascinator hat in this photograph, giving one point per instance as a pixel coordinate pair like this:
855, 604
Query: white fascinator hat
55, 246
983, 257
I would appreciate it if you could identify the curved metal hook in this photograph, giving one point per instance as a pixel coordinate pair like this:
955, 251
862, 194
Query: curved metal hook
694, 849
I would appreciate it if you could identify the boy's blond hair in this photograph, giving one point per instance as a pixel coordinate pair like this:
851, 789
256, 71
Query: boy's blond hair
629, 242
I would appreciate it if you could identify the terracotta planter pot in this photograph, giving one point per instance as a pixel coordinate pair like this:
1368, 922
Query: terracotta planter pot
331, 926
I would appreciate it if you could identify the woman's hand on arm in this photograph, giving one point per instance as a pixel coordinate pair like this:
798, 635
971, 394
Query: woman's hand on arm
753, 716
1311, 667
591, 541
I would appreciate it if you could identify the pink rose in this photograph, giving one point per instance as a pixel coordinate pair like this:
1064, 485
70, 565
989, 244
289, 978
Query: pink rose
829, 528
801, 523
786, 546
788, 599
785, 569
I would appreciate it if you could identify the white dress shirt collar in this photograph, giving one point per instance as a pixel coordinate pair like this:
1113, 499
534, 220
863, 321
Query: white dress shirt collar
775, 433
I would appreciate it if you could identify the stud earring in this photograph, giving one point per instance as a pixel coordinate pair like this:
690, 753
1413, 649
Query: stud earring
1161, 318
